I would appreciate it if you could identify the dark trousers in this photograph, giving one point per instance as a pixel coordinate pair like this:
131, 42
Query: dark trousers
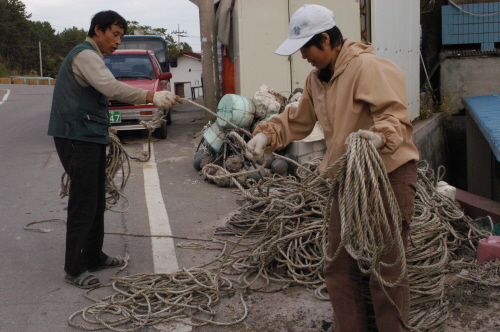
344, 280
85, 164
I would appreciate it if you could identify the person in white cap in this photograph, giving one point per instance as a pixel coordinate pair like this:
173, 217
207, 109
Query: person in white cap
350, 90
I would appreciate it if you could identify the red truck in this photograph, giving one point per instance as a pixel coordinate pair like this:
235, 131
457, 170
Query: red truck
138, 68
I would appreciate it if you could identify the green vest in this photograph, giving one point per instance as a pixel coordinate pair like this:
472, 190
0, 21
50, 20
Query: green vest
79, 113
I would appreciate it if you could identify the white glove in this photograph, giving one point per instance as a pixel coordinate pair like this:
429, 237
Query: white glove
165, 99
376, 139
256, 146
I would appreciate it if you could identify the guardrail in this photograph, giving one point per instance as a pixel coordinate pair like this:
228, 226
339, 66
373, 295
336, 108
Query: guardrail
28, 80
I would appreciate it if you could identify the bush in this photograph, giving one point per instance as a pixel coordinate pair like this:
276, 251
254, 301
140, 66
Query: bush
4, 72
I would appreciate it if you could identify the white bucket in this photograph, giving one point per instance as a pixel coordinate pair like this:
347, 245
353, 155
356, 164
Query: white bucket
237, 109
215, 136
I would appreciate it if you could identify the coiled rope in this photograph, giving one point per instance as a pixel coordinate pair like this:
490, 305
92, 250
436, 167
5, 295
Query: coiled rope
118, 162
286, 217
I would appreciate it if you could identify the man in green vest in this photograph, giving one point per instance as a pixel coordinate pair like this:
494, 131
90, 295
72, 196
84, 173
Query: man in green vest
79, 123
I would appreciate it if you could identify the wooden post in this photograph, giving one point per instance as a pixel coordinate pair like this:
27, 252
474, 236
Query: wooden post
40, 51
210, 66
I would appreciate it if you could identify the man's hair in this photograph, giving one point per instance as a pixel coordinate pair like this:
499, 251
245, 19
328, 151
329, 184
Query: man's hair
104, 20
335, 39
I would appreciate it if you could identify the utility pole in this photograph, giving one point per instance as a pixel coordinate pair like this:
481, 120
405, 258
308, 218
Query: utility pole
179, 34
209, 62
40, 52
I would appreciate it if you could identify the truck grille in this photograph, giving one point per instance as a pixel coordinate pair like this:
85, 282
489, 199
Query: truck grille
116, 103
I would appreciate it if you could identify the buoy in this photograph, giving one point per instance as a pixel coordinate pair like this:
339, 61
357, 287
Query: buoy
256, 175
292, 168
234, 163
222, 182
198, 153
214, 136
197, 163
268, 158
206, 158
236, 109
279, 166
242, 179
198, 157
210, 170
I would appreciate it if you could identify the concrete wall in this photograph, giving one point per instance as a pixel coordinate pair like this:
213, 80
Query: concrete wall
468, 77
429, 137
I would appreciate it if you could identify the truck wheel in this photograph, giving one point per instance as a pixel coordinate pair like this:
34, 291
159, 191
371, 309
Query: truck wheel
161, 132
169, 117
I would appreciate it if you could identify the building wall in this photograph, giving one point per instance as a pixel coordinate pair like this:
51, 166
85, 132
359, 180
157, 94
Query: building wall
188, 71
261, 26
396, 36
347, 18
467, 77
258, 34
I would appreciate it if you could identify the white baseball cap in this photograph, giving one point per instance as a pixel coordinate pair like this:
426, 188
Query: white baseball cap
307, 21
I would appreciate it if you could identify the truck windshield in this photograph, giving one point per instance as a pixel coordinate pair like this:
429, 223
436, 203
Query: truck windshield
155, 44
130, 65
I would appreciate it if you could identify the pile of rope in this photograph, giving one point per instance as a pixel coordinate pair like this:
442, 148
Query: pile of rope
284, 217
187, 296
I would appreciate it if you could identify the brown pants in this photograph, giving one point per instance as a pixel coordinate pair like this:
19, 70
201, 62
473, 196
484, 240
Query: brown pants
344, 280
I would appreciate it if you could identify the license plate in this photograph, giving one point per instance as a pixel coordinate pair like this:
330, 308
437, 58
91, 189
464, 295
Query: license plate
115, 117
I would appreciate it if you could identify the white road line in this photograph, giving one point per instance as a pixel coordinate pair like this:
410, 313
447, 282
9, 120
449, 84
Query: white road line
5, 97
164, 258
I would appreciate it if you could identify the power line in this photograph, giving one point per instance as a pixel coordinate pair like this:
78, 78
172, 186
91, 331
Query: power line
179, 34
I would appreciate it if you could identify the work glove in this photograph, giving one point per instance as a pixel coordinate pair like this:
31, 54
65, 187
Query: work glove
256, 146
165, 99
376, 139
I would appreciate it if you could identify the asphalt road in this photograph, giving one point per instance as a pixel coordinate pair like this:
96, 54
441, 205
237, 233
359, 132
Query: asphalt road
33, 294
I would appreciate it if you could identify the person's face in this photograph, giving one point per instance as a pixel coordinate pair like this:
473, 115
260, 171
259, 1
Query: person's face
321, 58
108, 40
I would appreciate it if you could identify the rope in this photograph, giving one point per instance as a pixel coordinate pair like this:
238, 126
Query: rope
284, 220
118, 161
142, 300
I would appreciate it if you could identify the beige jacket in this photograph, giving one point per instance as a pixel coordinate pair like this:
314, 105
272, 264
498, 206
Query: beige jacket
365, 92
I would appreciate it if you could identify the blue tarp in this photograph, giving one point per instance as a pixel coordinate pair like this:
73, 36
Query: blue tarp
485, 110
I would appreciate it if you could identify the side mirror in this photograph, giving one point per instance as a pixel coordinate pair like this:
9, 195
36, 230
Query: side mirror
173, 61
165, 76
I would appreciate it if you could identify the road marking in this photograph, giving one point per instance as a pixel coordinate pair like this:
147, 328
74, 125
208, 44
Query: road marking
164, 258
5, 96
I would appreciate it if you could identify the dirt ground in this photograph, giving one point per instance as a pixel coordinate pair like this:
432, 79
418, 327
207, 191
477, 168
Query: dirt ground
472, 306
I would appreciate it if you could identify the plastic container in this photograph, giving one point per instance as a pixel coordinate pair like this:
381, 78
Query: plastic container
237, 109
215, 136
488, 249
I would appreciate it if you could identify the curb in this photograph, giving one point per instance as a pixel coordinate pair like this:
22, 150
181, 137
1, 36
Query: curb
28, 80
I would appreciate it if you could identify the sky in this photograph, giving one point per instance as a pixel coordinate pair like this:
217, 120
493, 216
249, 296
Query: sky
172, 15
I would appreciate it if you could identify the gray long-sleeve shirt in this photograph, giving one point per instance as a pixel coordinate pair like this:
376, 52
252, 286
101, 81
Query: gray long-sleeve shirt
90, 70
